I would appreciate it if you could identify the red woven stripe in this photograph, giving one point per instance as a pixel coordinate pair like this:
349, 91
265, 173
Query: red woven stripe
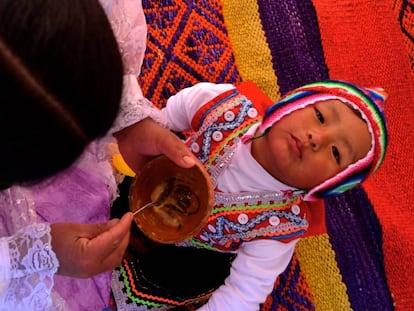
363, 44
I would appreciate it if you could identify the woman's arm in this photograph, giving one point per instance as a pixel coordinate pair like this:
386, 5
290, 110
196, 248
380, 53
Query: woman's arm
130, 28
128, 23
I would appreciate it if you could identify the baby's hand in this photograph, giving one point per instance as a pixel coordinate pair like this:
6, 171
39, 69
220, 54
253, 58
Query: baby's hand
84, 250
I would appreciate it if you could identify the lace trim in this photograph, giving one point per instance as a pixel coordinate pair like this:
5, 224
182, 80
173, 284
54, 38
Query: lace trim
134, 107
128, 23
31, 251
17, 203
33, 264
133, 111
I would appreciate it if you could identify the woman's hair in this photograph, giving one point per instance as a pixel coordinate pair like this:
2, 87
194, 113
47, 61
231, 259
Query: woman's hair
60, 84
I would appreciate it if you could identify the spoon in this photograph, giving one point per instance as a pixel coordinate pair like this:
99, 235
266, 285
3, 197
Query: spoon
143, 207
159, 199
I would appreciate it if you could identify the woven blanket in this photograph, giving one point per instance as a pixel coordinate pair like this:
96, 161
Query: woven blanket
364, 260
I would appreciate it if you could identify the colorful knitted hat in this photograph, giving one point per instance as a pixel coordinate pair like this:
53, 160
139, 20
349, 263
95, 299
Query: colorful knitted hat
369, 101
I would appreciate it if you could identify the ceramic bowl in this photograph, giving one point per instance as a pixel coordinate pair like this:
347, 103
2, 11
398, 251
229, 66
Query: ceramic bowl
184, 205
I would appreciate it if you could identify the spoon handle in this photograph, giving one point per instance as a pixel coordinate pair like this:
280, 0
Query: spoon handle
142, 208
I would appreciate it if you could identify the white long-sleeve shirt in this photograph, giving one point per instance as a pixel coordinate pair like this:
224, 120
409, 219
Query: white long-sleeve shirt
258, 262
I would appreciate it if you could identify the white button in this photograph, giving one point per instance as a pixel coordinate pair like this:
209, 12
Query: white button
211, 228
229, 116
195, 147
217, 136
204, 238
274, 220
252, 113
295, 209
243, 219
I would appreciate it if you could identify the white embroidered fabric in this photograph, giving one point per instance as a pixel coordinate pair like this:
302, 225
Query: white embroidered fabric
30, 254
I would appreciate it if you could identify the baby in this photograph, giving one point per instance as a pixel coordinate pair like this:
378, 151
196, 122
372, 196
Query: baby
265, 159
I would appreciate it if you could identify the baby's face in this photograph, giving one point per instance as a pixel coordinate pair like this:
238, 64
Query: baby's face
313, 144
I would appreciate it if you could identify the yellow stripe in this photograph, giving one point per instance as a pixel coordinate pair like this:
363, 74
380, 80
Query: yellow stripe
254, 62
251, 52
317, 263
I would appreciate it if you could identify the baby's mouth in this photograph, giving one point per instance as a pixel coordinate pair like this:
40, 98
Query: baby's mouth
296, 145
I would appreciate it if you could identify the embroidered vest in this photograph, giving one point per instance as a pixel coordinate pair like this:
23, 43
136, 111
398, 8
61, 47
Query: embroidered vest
237, 217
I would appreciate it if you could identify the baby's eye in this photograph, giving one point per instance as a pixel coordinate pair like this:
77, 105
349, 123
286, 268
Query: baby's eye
335, 153
319, 115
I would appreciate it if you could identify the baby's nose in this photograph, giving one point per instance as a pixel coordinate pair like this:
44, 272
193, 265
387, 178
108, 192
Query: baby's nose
317, 139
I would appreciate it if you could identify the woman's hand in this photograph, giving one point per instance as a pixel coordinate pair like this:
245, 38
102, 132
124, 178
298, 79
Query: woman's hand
145, 139
84, 250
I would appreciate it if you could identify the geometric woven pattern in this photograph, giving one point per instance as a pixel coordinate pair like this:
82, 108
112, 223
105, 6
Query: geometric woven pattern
289, 293
363, 260
364, 41
187, 43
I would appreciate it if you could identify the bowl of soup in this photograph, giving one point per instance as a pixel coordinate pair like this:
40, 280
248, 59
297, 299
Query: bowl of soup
177, 200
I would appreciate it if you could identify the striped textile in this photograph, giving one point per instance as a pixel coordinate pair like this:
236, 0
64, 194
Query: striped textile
364, 260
